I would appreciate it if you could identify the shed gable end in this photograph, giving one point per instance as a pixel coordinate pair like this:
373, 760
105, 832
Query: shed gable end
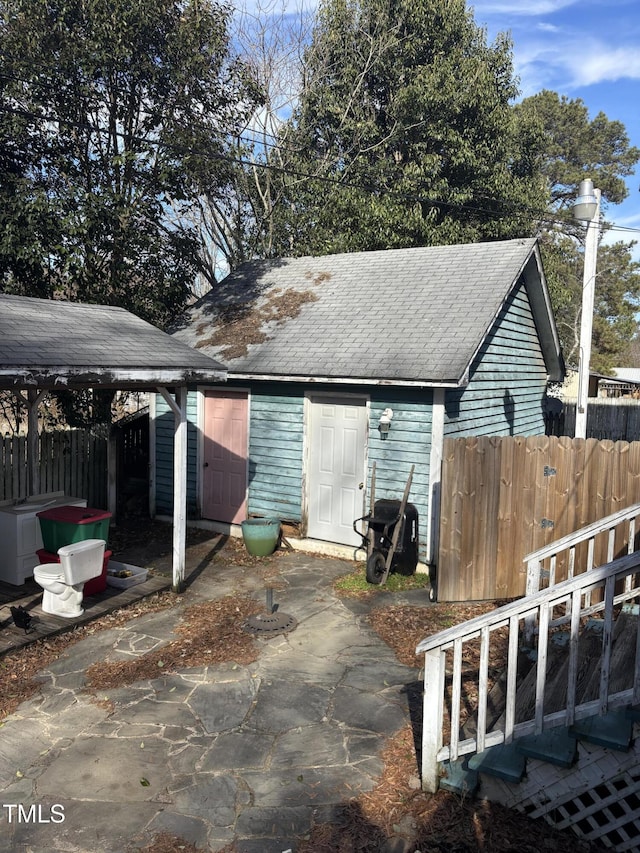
507, 378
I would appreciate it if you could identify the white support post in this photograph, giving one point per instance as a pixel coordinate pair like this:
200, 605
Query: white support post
434, 670
534, 577
179, 408
586, 321
435, 474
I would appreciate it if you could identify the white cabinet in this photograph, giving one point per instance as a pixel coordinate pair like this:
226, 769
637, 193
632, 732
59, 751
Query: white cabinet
20, 535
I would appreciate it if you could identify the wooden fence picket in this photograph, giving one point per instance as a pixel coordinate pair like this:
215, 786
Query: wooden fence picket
503, 498
73, 461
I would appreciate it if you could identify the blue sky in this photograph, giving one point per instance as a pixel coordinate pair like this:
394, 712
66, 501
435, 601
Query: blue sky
589, 50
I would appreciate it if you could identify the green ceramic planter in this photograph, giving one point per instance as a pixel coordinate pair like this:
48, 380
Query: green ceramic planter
261, 535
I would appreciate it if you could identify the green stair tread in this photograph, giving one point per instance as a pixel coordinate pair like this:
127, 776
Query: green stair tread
612, 730
503, 761
458, 777
554, 746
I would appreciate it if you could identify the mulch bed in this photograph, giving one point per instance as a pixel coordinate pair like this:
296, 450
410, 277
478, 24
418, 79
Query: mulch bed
208, 633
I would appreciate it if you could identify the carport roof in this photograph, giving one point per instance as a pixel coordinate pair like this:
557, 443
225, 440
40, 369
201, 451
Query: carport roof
53, 344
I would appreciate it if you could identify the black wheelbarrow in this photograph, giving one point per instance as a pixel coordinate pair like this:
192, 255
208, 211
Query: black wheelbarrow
391, 535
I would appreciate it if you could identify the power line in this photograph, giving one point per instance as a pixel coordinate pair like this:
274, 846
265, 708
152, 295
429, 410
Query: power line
289, 171
542, 218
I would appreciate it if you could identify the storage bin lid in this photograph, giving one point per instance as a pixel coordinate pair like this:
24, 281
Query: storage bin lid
74, 514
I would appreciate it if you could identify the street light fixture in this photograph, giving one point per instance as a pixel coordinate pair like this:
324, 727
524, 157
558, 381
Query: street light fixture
586, 209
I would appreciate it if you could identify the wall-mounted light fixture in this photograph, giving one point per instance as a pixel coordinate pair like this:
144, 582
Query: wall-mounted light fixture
384, 424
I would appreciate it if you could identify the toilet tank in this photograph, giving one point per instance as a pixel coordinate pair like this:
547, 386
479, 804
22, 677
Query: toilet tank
82, 561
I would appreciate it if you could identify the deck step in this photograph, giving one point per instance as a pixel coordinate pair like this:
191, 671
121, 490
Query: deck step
503, 761
458, 777
554, 746
612, 730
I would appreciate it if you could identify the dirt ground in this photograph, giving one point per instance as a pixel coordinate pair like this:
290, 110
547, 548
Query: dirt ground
397, 808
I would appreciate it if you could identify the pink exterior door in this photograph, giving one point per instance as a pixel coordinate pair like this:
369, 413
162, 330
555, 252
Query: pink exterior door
224, 476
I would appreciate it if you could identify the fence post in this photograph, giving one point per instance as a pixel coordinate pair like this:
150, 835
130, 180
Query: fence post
112, 472
432, 710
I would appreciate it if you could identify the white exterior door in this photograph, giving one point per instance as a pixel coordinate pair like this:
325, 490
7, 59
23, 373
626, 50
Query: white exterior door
337, 439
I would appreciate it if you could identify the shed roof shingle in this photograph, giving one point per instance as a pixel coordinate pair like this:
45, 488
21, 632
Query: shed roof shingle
414, 315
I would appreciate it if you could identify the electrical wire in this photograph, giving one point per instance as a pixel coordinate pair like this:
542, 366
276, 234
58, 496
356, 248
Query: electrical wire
546, 219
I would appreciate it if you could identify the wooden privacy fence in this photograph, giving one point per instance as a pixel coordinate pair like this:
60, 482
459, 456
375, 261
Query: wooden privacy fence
73, 461
504, 497
612, 418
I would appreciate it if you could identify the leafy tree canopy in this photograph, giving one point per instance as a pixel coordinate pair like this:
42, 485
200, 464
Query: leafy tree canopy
616, 303
575, 147
405, 121
111, 112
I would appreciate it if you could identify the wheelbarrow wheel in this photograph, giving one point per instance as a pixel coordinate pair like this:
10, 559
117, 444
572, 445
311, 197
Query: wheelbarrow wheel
376, 567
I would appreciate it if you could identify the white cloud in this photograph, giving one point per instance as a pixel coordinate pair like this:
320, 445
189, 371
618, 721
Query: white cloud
517, 7
569, 62
597, 62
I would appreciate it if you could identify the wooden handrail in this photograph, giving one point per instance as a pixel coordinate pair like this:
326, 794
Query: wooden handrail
573, 592
523, 606
569, 543
583, 533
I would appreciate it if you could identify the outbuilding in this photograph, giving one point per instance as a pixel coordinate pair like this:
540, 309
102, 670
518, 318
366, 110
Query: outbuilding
340, 361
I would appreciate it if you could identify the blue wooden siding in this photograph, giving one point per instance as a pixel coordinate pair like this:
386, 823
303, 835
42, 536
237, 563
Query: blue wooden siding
276, 451
507, 380
276, 446
408, 443
165, 426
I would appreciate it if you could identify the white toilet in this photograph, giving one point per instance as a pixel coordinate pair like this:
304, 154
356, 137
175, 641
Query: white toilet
64, 582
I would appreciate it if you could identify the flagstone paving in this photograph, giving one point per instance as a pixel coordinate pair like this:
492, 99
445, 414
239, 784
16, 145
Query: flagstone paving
212, 754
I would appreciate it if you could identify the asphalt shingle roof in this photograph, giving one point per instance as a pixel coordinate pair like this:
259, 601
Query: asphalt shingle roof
52, 342
403, 314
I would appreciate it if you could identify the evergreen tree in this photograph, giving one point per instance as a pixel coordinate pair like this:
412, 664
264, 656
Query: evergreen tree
616, 301
405, 124
575, 147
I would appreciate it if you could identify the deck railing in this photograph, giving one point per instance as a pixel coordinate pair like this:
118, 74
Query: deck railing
621, 527
447, 656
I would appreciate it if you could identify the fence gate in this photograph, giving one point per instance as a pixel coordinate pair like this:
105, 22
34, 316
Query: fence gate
503, 497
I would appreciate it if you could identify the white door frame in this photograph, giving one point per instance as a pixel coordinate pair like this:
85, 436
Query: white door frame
343, 397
